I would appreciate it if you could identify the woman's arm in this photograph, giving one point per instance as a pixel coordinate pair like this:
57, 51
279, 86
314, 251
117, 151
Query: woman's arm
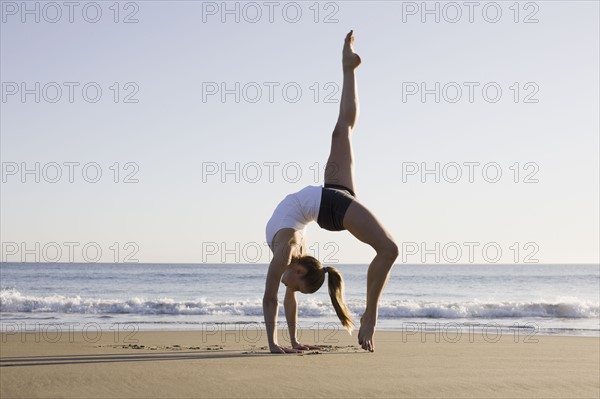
290, 305
280, 260
291, 314
270, 308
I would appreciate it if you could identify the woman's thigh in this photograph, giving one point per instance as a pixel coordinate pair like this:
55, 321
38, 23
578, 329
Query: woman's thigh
362, 224
340, 164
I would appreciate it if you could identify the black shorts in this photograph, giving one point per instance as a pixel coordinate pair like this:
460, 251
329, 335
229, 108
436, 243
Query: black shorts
335, 200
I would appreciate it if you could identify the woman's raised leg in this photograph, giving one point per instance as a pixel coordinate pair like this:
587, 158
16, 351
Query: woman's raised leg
340, 167
358, 220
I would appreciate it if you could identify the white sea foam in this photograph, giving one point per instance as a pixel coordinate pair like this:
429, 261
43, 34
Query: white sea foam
13, 301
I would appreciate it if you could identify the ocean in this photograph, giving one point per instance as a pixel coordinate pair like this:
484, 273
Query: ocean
537, 299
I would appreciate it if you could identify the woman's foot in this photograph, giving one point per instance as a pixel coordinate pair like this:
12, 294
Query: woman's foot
350, 60
366, 332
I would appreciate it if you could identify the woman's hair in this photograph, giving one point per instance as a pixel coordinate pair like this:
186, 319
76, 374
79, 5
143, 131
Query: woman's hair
314, 279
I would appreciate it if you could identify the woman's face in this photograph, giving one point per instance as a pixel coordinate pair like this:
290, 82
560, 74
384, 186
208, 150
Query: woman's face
293, 278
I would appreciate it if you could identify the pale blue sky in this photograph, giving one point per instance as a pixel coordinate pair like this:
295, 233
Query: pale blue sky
170, 133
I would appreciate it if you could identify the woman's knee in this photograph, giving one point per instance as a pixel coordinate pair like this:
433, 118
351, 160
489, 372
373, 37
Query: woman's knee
388, 249
342, 131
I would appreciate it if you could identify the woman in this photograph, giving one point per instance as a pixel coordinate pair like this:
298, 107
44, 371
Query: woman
335, 207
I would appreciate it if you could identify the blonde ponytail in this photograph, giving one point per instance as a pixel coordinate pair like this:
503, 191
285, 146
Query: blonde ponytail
335, 282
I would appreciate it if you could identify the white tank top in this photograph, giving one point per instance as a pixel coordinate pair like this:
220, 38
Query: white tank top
295, 211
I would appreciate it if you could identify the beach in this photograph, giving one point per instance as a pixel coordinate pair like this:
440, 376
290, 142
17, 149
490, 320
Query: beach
171, 170
196, 331
236, 363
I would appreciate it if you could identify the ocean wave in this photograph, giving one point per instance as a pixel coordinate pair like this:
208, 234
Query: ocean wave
489, 310
13, 301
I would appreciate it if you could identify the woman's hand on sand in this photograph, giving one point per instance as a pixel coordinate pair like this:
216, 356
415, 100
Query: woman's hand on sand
283, 349
303, 347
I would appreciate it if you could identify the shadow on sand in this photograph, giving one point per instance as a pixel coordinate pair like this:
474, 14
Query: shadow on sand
141, 357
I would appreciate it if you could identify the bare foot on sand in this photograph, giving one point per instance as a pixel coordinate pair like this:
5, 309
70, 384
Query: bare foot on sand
366, 332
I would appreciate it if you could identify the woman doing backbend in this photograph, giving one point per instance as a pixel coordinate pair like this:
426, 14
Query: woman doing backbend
334, 207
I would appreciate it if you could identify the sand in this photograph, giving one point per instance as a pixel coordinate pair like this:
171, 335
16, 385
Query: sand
236, 364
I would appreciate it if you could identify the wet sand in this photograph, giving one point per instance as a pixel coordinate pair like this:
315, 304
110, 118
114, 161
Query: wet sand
186, 364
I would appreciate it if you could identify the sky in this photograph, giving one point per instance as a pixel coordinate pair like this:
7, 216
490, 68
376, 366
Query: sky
167, 132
